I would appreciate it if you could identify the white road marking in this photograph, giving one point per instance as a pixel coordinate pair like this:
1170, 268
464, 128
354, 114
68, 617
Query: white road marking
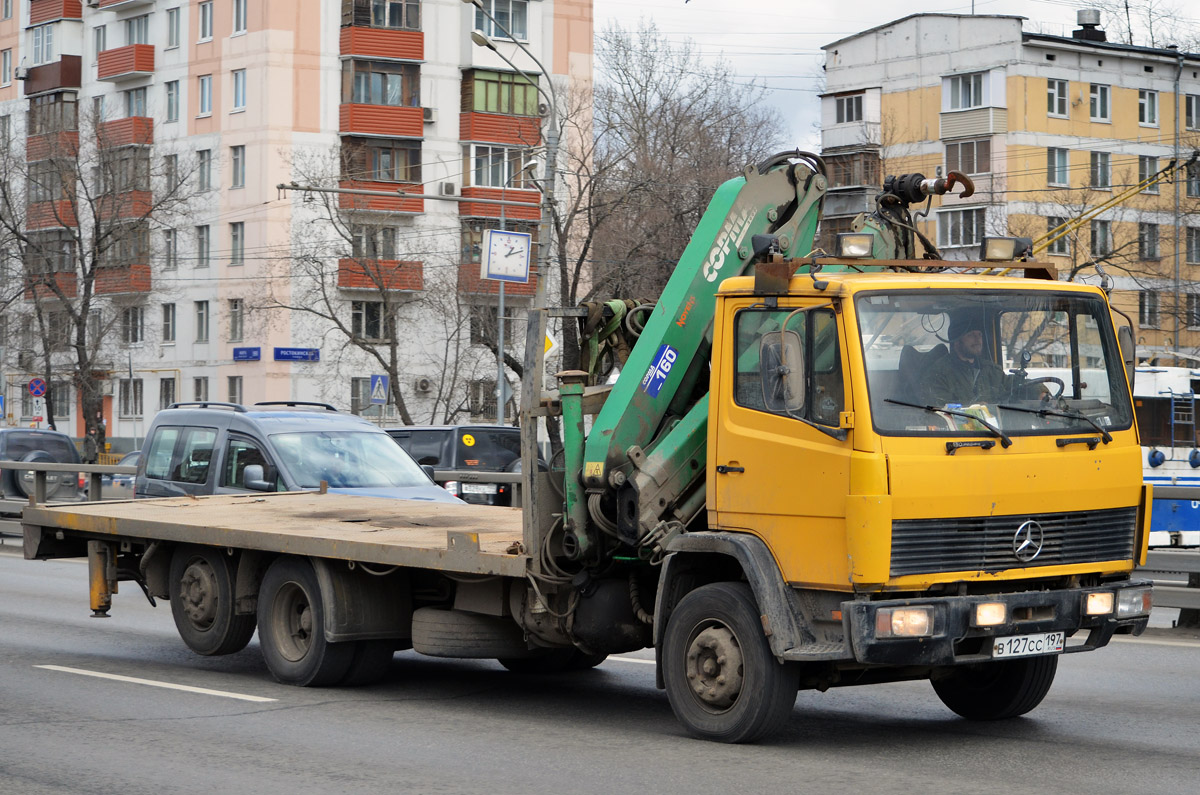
633, 660
152, 683
1189, 644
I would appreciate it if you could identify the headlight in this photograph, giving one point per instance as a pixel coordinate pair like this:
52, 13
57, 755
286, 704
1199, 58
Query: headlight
904, 622
855, 245
1134, 602
1099, 604
989, 614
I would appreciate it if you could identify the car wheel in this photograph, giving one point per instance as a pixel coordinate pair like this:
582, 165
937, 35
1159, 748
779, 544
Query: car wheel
24, 479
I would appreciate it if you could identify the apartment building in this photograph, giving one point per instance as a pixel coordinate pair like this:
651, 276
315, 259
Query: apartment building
1047, 127
152, 134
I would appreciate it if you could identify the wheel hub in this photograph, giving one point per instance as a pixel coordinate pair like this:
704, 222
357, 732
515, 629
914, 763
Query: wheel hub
198, 587
714, 667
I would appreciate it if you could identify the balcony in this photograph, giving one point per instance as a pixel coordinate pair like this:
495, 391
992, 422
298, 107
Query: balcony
42, 11
116, 279
54, 76
531, 213
500, 128
123, 5
469, 282
43, 285
383, 43
48, 145
380, 274
126, 63
130, 131
409, 203
387, 120
127, 205
51, 215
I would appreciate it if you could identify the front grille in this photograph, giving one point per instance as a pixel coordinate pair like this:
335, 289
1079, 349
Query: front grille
985, 543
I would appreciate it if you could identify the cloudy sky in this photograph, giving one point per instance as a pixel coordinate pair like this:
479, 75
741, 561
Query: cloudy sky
778, 42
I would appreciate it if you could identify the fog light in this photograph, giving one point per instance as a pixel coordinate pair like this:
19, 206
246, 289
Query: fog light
989, 614
907, 622
1099, 604
1134, 602
854, 245
1004, 249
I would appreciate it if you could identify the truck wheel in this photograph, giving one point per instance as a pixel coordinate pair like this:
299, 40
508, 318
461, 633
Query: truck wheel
553, 661
372, 660
291, 628
202, 602
996, 690
722, 680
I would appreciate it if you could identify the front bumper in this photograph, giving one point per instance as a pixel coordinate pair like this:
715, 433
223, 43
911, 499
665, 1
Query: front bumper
955, 641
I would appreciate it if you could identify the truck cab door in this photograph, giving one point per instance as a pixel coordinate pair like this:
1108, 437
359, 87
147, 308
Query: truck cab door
780, 463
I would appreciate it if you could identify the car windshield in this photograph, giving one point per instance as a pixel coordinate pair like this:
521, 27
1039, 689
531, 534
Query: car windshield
1023, 362
346, 460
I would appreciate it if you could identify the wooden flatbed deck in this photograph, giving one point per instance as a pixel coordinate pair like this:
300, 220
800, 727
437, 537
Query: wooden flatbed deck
476, 539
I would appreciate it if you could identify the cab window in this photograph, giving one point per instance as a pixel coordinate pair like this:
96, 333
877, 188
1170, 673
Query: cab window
239, 454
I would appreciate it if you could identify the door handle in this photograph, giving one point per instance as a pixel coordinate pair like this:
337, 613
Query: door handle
722, 469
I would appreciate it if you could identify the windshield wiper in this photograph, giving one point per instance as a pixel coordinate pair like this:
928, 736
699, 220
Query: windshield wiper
1071, 415
1004, 440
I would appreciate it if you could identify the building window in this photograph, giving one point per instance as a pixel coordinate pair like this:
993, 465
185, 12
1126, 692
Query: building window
511, 14
385, 161
473, 229
168, 322
860, 168
1063, 244
239, 90
99, 40
1056, 166
498, 166
1193, 245
203, 246
1101, 238
384, 83
237, 243
966, 91
969, 157
135, 102
137, 30
1056, 97
1148, 108
131, 397
1147, 168
1193, 310
239, 16
6, 68
166, 392
484, 325
1191, 112
1098, 105
1148, 309
849, 108
1193, 181
1101, 171
373, 242
206, 21
7, 9
482, 397
173, 100
129, 245
172, 27
204, 169
237, 158
200, 388
236, 319
51, 113
205, 86
235, 389
1147, 241
367, 320
43, 44
202, 321
171, 171
170, 259
960, 227
131, 325
499, 92
396, 14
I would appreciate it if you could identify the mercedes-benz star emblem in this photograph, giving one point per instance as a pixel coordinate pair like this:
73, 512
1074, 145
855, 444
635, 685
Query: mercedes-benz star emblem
1028, 540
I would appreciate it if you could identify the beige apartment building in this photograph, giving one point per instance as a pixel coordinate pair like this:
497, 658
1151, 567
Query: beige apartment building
1047, 127
143, 143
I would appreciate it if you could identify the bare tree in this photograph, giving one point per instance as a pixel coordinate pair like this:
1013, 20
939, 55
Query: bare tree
1149, 23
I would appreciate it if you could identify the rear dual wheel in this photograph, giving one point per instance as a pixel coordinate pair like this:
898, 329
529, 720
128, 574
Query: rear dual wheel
202, 596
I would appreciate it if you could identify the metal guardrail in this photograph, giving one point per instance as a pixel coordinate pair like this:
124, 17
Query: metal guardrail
1171, 570
94, 471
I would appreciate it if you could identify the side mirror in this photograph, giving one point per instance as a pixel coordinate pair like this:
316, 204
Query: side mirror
1128, 351
428, 470
781, 362
254, 479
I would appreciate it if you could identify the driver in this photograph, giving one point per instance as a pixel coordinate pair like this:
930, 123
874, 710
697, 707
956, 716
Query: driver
966, 375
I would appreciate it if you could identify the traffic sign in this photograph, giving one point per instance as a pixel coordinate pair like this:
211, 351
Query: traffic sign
549, 345
37, 387
379, 389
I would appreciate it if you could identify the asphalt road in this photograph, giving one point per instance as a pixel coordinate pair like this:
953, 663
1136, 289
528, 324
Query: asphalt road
1123, 719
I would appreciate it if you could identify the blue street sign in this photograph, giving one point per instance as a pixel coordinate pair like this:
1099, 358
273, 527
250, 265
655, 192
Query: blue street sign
379, 389
37, 387
1, 405
247, 354
297, 354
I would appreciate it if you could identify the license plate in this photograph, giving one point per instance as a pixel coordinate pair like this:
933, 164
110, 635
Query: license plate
1028, 645
478, 488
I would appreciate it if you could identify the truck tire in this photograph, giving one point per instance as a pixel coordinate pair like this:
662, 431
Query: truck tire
722, 680
553, 661
202, 602
291, 628
372, 660
54, 480
455, 633
996, 690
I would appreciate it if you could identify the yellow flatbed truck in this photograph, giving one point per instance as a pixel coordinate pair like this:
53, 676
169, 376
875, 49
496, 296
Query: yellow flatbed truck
811, 472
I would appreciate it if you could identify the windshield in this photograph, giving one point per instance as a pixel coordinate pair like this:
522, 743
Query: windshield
346, 460
1024, 362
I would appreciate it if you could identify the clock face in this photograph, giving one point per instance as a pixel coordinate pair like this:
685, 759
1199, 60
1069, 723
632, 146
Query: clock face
506, 255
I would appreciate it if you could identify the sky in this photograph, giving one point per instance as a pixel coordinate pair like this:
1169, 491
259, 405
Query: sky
778, 42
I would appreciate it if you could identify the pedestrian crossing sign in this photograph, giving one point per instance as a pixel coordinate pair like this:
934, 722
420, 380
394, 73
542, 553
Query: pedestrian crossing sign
379, 389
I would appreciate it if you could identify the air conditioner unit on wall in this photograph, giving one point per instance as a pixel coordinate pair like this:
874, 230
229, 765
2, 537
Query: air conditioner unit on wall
429, 115
447, 189
21, 72
423, 384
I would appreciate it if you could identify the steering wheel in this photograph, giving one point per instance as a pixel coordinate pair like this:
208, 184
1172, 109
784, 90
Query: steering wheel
1048, 379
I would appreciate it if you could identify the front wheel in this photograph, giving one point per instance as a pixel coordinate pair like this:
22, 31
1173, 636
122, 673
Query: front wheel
722, 680
996, 690
291, 628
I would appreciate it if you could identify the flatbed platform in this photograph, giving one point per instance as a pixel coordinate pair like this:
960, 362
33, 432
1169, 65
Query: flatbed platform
476, 539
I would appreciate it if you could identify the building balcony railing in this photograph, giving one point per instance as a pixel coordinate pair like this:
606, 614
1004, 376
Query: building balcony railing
126, 63
130, 131
51, 145
531, 213
55, 214
410, 202
58, 75
116, 279
380, 274
387, 120
383, 43
469, 282
122, 5
500, 128
125, 205
41, 11
42, 285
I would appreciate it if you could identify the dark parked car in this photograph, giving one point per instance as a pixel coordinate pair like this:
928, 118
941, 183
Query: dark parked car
483, 448
120, 487
28, 444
